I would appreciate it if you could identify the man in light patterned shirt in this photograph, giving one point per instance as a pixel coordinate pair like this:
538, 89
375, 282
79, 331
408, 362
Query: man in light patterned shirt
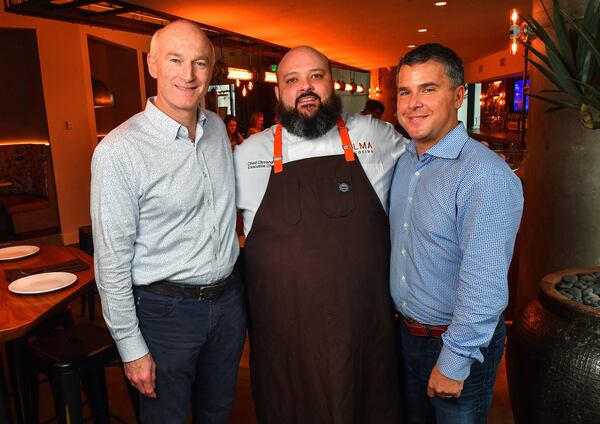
455, 208
163, 218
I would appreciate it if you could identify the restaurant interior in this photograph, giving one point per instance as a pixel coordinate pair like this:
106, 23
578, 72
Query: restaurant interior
72, 70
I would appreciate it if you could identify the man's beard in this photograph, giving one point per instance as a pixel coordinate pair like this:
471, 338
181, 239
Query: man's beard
316, 125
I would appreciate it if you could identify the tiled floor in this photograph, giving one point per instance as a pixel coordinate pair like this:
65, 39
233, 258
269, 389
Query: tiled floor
243, 412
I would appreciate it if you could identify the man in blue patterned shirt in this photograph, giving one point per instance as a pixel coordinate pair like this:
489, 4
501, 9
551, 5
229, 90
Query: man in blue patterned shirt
455, 209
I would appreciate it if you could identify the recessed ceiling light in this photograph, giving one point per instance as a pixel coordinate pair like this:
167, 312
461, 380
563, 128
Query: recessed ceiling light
441, 3
422, 30
410, 46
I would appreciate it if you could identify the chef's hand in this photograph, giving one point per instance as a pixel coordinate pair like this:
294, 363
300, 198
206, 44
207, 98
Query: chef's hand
142, 374
442, 386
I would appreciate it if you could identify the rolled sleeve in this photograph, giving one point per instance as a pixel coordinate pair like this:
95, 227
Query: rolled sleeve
115, 213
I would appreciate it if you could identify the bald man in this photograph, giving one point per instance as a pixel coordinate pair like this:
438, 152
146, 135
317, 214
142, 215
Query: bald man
163, 215
313, 191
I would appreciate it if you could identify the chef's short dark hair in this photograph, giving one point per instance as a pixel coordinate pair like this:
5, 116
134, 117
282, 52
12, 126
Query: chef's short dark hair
453, 65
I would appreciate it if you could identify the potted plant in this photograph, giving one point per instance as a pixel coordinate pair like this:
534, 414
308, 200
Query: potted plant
572, 62
554, 344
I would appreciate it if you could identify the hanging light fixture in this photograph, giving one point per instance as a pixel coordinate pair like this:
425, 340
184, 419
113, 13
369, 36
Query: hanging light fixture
250, 85
237, 82
244, 91
270, 77
241, 74
103, 97
360, 88
339, 85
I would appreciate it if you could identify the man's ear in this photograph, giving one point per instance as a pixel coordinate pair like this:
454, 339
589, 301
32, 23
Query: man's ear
459, 96
152, 65
277, 92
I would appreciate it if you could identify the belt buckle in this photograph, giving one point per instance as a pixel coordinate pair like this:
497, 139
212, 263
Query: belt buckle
201, 295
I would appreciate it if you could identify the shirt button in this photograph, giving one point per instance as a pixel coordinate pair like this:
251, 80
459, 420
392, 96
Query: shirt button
403, 251
417, 173
403, 278
410, 199
405, 225
204, 174
404, 303
208, 202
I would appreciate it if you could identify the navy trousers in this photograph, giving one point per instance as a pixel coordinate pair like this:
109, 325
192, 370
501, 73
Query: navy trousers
197, 347
419, 355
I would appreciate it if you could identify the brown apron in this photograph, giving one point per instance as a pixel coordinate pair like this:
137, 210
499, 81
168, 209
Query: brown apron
317, 264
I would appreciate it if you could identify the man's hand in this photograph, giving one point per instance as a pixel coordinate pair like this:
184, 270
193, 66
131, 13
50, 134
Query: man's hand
142, 374
442, 386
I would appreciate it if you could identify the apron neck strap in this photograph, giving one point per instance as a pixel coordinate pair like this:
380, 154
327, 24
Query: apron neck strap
278, 145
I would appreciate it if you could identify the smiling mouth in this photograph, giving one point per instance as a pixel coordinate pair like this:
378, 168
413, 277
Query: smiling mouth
183, 88
307, 100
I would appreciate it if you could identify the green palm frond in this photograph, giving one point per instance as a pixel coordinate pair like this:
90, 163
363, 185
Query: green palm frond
572, 59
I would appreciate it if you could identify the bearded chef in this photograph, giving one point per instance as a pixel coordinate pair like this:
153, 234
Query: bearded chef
313, 191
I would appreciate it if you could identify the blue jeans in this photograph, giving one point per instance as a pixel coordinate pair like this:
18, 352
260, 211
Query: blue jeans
418, 357
197, 347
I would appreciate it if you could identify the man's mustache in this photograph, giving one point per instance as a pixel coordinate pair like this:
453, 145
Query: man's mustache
307, 94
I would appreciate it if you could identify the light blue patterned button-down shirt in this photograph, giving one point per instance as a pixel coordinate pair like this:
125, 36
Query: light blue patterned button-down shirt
454, 215
163, 208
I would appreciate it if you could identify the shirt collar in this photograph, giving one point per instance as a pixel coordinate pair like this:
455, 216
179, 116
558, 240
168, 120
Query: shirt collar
168, 125
449, 147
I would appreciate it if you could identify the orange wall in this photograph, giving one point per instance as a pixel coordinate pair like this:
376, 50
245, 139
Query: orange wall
497, 65
67, 87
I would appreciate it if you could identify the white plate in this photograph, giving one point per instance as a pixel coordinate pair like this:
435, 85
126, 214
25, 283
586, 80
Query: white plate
42, 283
16, 252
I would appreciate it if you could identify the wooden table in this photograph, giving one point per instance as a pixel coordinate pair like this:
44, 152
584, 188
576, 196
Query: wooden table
20, 314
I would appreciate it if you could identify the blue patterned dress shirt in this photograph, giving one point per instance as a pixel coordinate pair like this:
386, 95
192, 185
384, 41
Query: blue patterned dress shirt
454, 215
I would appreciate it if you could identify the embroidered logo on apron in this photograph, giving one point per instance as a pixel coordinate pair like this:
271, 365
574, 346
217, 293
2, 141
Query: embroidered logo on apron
343, 187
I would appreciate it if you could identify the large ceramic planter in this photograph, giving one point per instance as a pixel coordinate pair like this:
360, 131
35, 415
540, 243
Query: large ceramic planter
553, 358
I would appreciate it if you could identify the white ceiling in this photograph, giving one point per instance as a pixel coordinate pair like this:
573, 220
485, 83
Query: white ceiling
366, 34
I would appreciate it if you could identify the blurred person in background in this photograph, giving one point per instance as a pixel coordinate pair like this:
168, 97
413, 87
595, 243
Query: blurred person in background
235, 138
255, 123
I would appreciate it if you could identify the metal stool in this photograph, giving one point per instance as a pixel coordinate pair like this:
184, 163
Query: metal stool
72, 356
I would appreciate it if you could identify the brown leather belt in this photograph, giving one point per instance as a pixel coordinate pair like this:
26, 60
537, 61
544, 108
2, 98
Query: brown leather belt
422, 330
187, 291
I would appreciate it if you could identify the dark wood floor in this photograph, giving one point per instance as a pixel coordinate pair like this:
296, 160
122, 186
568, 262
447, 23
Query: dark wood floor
243, 411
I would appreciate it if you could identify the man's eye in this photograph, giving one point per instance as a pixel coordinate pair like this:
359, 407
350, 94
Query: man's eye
174, 60
317, 76
290, 80
428, 89
200, 64
403, 93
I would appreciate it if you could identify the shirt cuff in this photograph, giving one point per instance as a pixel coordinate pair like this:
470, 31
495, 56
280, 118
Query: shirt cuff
453, 365
132, 348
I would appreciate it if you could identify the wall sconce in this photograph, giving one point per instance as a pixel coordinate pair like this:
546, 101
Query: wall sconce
518, 32
374, 92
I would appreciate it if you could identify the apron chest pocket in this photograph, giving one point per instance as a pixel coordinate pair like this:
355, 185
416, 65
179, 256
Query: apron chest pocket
336, 196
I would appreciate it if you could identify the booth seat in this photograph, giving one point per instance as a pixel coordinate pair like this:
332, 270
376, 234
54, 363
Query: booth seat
28, 204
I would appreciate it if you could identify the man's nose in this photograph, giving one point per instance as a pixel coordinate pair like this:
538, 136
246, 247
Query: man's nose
306, 85
414, 101
187, 72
